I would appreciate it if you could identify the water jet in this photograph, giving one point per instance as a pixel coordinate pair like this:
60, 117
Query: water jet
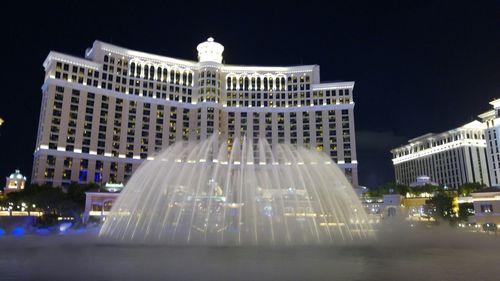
243, 193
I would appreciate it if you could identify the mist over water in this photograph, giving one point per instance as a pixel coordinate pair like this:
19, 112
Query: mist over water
399, 253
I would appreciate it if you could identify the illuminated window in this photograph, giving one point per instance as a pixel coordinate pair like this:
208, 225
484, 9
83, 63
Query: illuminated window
486, 208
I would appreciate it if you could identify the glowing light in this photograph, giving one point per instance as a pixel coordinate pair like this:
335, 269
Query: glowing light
65, 226
18, 231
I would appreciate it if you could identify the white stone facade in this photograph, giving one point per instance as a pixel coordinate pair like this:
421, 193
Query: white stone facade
103, 115
486, 206
492, 134
451, 158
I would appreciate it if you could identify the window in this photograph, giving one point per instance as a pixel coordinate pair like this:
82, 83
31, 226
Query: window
82, 177
486, 208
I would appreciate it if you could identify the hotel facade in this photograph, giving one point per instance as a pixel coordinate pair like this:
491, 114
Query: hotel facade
491, 119
451, 158
103, 115
463, 155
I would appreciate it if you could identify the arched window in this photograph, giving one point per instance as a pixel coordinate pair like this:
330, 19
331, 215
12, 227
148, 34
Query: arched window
241, 83
190, 79
172, 76
283, 83
184, 78
132, 69
146, 72
228, 83
253, 83
165, 74
139, 70
177, 76
152, 72
246, 83
258, 83
277, 84
265, 83
158, 74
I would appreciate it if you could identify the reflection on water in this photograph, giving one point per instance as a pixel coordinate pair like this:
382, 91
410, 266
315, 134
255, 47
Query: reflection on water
398, 255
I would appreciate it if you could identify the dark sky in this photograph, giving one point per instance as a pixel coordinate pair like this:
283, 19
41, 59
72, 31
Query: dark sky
419, 66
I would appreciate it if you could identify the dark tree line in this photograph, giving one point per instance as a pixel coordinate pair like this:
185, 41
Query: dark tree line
52, 201
443, 199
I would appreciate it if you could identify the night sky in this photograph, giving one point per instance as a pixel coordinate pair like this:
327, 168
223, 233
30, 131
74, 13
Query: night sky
419, 66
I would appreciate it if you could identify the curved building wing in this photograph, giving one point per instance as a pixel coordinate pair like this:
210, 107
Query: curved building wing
104, 114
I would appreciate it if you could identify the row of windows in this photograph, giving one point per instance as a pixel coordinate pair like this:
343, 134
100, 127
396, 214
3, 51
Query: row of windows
161, 74
69, 165
151, 141
111, 80
444, 167
433, 143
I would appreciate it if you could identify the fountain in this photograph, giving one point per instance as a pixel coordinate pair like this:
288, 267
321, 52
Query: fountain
247, 193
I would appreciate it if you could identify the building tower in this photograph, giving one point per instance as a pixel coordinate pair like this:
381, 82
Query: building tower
101, 116
15, 182
491, 119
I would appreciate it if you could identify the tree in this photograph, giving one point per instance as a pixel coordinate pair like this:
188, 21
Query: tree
445, 205
468, 188
76, 192
465, 210
387, 188
428, 188
52, 201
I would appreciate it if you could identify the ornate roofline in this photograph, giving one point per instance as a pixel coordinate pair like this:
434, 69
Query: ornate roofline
70, 59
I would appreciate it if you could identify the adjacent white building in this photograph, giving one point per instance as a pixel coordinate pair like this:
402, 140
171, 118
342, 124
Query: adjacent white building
463, 155
486, 207
492, 134
103, 115
451, 158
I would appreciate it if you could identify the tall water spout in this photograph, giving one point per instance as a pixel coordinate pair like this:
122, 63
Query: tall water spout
244, 194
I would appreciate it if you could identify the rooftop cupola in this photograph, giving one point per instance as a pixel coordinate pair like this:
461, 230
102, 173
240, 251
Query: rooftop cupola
210, 51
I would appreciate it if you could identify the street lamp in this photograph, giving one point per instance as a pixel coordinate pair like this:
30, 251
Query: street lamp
1, 121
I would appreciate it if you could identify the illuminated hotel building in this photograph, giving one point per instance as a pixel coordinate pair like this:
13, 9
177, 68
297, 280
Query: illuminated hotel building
492, 134
452, 158
103, 115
